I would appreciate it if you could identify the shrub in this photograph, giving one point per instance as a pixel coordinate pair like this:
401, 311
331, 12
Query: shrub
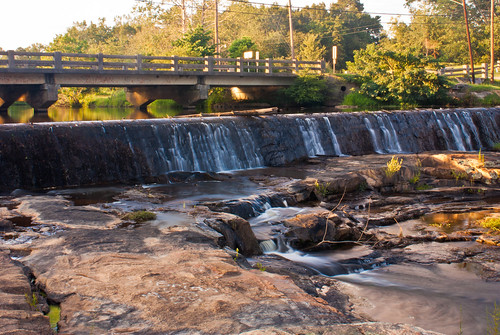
398, 77
393, 166
307, 90
491, 223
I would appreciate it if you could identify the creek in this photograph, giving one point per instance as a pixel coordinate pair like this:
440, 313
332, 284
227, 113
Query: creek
442, 297
173, 159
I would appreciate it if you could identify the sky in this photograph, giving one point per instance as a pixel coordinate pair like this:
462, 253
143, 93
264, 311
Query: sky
25, 22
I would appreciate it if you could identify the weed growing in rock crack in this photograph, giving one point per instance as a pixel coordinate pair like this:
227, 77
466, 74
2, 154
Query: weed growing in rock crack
423, 187
260, 267
322, 188
393, 166
237, 255
416, 177
494, 320
32, 301
458, 175
140, 216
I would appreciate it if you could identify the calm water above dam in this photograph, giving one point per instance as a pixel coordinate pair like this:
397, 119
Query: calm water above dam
25, 114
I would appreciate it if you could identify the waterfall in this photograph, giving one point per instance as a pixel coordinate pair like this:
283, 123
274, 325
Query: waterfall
376, 144
333, 138
82, 153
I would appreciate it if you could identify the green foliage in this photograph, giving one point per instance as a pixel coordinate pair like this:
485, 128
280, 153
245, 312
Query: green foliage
393, 166
492, 223
360, 100
116, 99
260, 267
322, 188
490, 100
196, 43
423, 187
459, 175
307, 90
31, 300
218, 95
496, 147
139, 216
311, 49
239, 46
398, 77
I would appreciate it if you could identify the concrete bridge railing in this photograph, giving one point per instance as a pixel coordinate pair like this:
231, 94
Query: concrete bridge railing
57, 62
35, 77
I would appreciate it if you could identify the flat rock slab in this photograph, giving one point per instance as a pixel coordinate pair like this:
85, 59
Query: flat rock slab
16, 314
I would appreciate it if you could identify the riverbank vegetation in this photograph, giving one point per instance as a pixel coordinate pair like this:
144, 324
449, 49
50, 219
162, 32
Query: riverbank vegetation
432, 36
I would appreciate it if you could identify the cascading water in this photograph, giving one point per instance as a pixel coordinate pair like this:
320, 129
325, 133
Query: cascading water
142, 150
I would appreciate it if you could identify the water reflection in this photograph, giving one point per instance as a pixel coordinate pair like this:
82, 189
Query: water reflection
26, 114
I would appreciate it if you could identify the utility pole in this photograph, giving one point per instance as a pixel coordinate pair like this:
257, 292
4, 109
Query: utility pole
217, 48
183, 13
292, 48
492, 42
468, 41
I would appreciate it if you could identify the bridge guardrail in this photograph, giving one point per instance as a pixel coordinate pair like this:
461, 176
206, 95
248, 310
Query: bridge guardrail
57, 62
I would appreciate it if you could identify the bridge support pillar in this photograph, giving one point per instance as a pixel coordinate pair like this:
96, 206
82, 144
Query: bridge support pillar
142, 96
42, 97
9, 95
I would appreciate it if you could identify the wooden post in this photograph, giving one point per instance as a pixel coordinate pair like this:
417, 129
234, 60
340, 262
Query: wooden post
466, 70
485, 70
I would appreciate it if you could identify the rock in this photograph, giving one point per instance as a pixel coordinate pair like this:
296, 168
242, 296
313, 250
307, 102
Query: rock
237, 233
307, 231
17, 316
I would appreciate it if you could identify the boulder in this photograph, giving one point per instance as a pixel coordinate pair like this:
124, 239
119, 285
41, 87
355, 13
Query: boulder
307, 231
237, 233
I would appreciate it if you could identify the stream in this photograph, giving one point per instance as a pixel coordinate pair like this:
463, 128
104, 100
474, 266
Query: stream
448, 298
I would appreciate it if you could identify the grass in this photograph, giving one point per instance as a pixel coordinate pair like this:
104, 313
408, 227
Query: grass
393, 166
139, 216
496, 147
357, 99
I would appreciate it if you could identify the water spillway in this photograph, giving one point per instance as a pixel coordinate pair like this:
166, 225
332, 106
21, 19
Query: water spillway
45, 155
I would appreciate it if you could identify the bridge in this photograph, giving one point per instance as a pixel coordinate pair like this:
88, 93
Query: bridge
35, 77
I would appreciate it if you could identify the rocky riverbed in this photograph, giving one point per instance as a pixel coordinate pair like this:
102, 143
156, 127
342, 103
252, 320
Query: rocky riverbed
199, 267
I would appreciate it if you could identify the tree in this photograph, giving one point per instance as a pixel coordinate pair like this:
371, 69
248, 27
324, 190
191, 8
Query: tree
196, 43
311, 49
398, 77
238, 47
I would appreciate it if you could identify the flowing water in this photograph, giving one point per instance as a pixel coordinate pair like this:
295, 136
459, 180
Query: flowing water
442, 297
